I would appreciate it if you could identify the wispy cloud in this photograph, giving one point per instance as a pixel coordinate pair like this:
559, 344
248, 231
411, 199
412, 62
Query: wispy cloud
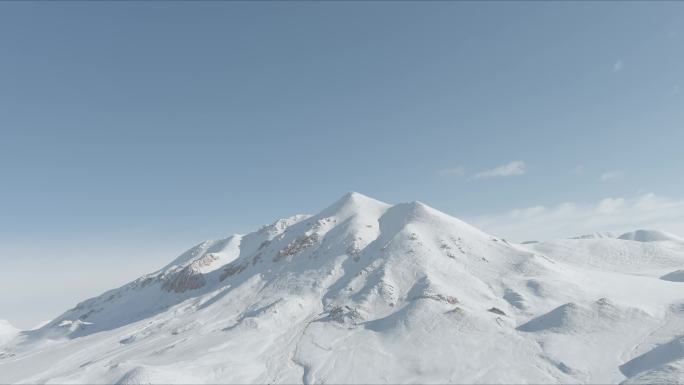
579, 170
453, 171
572, 219
611, 175
617, 66
610, 205
676, 89
516, 167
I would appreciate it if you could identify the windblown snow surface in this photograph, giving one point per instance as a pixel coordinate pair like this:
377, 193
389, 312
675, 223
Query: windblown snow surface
366, 292
7, 331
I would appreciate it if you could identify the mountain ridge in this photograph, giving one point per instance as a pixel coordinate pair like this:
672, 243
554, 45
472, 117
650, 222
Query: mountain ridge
404, 289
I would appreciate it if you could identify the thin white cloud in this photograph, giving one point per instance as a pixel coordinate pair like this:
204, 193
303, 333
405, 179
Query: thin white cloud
513, 168
610, 205
570, 219
454, 171
579, 170
611, 175
617, 66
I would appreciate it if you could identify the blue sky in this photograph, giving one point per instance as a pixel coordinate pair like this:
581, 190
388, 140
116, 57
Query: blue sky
131, 131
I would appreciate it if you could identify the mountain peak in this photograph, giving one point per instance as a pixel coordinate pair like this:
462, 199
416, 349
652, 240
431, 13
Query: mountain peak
353, 203
355, 195
356, 198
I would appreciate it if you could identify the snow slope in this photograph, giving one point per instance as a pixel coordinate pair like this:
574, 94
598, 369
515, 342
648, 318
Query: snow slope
367, 292
7, 332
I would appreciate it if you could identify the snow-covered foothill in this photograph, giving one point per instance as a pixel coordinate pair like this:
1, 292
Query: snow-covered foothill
650, 236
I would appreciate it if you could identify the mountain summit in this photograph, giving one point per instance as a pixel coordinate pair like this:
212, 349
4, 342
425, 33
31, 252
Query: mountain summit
368, 292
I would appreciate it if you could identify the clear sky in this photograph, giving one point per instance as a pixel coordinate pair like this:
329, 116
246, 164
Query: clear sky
131, 131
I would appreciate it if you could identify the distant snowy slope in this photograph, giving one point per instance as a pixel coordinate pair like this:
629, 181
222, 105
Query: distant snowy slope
368, 292
615, 254
675, 276
599, 235
7, 331
650, 236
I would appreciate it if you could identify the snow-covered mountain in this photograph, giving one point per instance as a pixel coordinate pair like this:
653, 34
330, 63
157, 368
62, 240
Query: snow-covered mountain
367, 292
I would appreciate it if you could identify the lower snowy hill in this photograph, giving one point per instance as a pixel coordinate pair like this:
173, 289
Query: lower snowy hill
640, 251
367, 292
